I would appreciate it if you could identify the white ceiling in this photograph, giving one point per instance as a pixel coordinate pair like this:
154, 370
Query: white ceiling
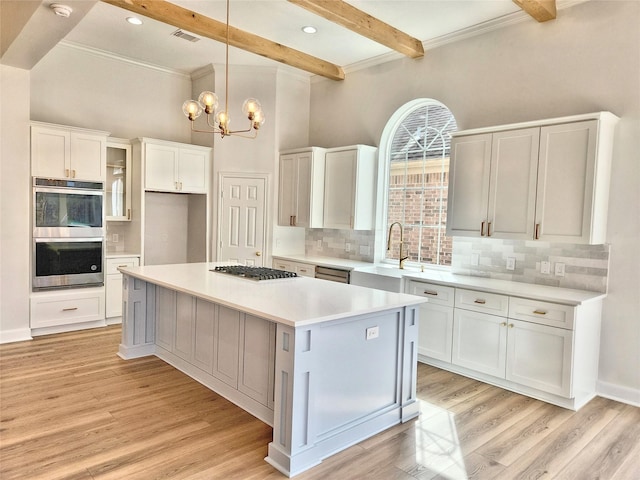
104, 28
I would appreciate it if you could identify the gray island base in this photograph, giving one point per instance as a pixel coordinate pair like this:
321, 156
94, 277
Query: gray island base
327, 365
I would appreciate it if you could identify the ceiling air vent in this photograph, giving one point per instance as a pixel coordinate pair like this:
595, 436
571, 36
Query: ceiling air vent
185, 36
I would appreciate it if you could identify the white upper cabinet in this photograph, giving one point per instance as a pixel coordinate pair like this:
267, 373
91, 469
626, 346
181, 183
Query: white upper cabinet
546, 180
301, 188
68, 152
350, 188
118, 180
174, 167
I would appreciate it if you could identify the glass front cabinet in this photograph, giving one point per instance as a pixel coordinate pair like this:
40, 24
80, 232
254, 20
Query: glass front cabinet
118, 184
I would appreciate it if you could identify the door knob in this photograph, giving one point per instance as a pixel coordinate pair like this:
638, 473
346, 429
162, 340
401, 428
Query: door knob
258, 254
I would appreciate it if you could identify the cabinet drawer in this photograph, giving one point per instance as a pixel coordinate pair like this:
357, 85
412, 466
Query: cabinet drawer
544, 313
482, 302
281, 265
67, 308
305, 270
438, 294
114, 263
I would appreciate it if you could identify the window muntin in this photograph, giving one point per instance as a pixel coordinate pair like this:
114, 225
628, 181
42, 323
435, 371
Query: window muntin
418, 158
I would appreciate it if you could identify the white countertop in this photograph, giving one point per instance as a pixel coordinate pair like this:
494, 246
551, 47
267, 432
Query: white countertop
120, 254
516, 289
295, 301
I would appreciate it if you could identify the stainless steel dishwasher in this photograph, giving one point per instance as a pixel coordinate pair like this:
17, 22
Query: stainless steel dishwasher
333, 274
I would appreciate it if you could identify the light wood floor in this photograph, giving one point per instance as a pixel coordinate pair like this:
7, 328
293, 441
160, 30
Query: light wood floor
71, 409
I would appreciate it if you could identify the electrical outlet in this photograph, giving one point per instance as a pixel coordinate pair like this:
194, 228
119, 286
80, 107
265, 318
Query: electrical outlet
475, 259
559, 269
373, 332
511, 263
347, 247
545, 268
115, 238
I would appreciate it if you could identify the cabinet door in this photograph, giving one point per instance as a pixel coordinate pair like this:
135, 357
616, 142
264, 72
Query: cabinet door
88, 156
226, 345
193, 171
50, 152
468, 195
512, 185
566, 182
204, 335
480, 342
539, 356
165, 317
117, 202
185, 317
113, 294
435, 334
287, 189
161, 165
339, 189
303, 190
257, 342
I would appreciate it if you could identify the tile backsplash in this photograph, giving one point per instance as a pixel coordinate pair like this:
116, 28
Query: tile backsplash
586, 267
335, 243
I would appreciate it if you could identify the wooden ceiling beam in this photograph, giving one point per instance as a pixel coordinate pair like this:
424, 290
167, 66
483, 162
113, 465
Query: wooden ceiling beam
541, 10
362, 23
186, 19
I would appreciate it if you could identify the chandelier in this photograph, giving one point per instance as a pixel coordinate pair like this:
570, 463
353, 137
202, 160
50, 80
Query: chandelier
208, 102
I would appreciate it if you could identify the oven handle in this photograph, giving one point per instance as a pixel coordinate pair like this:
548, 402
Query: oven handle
67, 239
67, 191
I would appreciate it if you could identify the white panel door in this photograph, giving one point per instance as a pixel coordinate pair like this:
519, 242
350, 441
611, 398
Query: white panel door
242, 225
469, 185
565, 182
512, 188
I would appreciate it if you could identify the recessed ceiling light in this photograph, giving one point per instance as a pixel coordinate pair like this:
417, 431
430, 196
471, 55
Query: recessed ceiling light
61, 10
309, 29
134, 20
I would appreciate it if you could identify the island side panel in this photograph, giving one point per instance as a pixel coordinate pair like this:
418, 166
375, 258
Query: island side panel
340, 382
138, 318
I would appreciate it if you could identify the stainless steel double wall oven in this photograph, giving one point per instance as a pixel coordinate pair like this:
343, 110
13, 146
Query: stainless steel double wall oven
68, 234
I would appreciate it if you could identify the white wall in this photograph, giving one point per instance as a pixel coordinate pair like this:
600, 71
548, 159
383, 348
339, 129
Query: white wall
587, 60
14, 204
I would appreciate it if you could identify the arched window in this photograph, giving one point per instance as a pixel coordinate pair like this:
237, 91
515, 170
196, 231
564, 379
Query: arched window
415, 144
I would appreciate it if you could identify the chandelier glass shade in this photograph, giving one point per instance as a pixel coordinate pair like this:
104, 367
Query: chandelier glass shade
218, 120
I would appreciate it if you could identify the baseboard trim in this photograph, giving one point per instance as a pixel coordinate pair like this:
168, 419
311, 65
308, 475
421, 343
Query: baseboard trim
16, 335
619, 393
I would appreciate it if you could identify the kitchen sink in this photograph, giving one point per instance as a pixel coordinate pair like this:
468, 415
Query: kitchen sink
382, 277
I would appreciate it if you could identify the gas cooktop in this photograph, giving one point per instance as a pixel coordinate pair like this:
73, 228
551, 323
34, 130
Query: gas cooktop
254, 273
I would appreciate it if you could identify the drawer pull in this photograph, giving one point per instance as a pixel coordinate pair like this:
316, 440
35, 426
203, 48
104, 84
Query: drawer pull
69, 309
511, 325
540, 312
431, 292
122, 266
503, 324
480, 301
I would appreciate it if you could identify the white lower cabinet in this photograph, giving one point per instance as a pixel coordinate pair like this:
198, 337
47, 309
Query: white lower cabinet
113, 286
66, 307
480, 342
302, 269
235, 348
435, 333
541, 349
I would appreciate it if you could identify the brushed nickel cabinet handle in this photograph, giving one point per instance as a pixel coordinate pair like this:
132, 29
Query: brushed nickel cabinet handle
511, 325
540, 312
489, 229
536, 236
503, 324
73, 173
295, 220
480, 301
128, 214
482, 229
430, 292
66, 172
69, 309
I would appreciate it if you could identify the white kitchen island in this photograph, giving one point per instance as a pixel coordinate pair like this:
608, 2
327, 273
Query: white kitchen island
326, 364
